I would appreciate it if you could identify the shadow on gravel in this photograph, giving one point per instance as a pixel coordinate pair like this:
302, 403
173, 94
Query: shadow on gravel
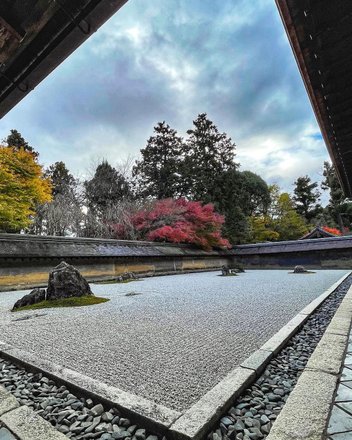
24, 318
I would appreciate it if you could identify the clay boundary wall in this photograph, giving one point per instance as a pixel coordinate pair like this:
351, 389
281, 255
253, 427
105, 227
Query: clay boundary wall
25, 260
319, 253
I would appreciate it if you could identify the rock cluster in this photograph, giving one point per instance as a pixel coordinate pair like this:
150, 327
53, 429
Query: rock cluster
126, 276
77, 418
226, 271
64, 281
299, 269
252, 415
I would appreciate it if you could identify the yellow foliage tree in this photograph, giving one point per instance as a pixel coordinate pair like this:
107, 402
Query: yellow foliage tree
22, 186
282, 221
261, 229
289, 224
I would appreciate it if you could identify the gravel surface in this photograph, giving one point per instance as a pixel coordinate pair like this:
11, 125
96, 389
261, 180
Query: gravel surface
252, 415
169, 339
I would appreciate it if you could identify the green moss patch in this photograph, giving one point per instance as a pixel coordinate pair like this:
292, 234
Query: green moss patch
74, 301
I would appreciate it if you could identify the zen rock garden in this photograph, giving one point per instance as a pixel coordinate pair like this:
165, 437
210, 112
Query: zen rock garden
164, 303
301, 269
228, 271
65, 281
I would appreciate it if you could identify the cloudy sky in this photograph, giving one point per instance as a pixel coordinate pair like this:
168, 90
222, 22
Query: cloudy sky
170, 60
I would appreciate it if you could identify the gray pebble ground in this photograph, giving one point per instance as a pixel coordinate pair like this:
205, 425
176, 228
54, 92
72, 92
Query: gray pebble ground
176, 338
77, 418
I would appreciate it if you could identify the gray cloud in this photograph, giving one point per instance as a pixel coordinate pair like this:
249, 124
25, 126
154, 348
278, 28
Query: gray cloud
170, 61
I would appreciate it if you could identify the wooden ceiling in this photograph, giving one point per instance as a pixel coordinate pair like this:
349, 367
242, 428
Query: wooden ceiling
320, 33
37, 35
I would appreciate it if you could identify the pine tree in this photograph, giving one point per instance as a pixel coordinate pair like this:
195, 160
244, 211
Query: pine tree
158, 173
208, 154
62, 180
339, 209
105, 189
16, 141
332, 184
306, 197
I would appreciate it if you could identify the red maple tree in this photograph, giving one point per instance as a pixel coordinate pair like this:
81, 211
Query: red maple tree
177, 221
334, 231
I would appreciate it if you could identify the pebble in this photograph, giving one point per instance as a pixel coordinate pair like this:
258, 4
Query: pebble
97, 410
77, 418
140, 434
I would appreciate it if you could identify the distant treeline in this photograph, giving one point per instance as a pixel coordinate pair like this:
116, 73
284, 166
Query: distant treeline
180, 189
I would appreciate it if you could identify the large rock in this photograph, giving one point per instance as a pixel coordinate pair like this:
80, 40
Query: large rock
37, 295
65, 281
225, 271
299, 269
126, 276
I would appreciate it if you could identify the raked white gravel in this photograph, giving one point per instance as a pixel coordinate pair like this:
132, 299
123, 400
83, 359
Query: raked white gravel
172, 341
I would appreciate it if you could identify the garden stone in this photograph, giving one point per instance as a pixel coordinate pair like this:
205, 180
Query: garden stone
279, 392
132, 428
95, 423
264, 419
121, 435
37, 295
239, 426
107, 417
65, 281
265, 429
140, 434
226, 421
299, 269
97, 410
89, 403
115, 420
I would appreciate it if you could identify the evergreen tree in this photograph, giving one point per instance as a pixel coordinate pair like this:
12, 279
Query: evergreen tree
62, 180
306, 197
16, 141
238, 195
228, 197
209, 153
158, 172
255, 194
339, 208
332, 184
105, 189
